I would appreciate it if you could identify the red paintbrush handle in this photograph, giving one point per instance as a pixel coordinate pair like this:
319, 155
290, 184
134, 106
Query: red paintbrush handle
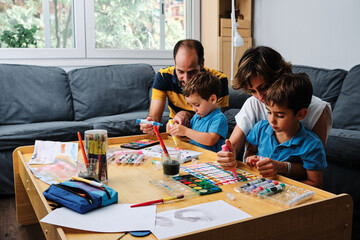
147, 203
160, 140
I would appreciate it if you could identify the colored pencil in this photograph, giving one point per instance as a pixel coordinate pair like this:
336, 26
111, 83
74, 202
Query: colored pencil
83, 150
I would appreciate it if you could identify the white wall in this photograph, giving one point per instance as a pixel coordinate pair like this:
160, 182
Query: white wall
321, 33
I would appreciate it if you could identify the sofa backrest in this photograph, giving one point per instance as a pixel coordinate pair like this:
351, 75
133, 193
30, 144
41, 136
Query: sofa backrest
326, 83
347, 110
110, 90
34, 94
237, 98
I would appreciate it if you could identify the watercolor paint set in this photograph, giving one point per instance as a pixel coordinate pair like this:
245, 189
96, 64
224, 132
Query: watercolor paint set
174, 188
214, 174
203, 187
140, 144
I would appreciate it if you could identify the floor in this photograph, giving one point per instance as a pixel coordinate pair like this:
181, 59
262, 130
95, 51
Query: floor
10, 229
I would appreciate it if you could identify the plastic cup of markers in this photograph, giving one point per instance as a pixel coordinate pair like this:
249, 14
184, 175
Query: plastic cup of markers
171, 163
96, 145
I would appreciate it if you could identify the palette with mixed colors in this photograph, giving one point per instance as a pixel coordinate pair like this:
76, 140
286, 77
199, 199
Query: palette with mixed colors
214, 174
203, 187
174, 188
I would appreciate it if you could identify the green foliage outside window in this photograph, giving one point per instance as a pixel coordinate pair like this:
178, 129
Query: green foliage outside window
125, 24
22, 38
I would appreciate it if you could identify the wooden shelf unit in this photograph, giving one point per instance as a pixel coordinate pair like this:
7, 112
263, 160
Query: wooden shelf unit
216, 33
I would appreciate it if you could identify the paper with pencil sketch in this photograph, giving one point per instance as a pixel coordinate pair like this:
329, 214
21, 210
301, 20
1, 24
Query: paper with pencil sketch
45, 152
186, 155
176, 222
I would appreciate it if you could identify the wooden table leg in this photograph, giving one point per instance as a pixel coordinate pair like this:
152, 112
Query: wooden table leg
25, 214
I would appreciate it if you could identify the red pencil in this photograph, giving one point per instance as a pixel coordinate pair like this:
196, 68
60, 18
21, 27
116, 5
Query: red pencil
160, 140
83, 150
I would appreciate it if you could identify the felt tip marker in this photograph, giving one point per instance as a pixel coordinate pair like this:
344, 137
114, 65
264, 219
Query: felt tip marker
301, 198
148, 122
246, 185
272, 190
162, 200
96, 184
233, 170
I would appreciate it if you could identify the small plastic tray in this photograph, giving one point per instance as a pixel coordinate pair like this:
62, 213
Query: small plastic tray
174, 188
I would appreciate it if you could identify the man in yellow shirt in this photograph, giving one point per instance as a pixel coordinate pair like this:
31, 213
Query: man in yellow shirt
169, 82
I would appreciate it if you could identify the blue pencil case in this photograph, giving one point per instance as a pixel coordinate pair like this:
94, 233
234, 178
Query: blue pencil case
80, 196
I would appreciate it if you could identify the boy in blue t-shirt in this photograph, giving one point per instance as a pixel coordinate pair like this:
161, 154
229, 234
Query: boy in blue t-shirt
282, 140
208, 127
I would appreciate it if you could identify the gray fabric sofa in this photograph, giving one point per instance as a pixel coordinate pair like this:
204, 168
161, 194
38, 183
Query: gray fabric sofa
341, 89
47, 103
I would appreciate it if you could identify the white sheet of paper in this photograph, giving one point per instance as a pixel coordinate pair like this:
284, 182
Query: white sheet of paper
112, 218
180, 221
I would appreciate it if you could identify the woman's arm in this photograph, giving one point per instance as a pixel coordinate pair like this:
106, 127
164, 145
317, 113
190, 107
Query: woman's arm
227, 160
320, 127
314, 178
237, 139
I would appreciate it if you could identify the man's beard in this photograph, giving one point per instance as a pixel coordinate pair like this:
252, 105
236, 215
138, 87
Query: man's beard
181, 83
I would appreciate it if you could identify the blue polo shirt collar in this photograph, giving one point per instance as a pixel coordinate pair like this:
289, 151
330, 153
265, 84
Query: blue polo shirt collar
295, 140
210, 115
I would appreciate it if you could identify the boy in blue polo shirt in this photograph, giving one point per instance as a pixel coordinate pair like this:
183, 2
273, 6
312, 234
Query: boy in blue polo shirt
276, 143
208, 127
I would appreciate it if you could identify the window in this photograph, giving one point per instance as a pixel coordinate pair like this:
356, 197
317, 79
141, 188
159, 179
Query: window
98, 28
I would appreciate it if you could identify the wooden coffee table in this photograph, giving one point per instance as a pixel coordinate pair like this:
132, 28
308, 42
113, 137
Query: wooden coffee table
325, 216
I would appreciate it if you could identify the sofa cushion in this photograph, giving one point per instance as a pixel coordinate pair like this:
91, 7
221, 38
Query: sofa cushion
343, 147
347, 111
237, 98
326, 83
110, 90
34, 94
124, 124
230, 117
13, 136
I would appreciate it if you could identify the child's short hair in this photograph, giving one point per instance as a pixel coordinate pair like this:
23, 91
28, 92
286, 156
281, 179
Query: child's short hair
204, 84
291, 91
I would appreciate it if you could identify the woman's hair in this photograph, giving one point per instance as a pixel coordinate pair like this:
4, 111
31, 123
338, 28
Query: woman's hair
290, 91
263, 62
204, 84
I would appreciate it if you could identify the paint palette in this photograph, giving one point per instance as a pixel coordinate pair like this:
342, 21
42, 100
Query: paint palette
214, 174
139, 144
174, 188
203, 187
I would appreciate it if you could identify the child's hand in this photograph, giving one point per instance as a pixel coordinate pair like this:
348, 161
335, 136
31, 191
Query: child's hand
252, 160
268, 167
177, 130
168, 127
182, 118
